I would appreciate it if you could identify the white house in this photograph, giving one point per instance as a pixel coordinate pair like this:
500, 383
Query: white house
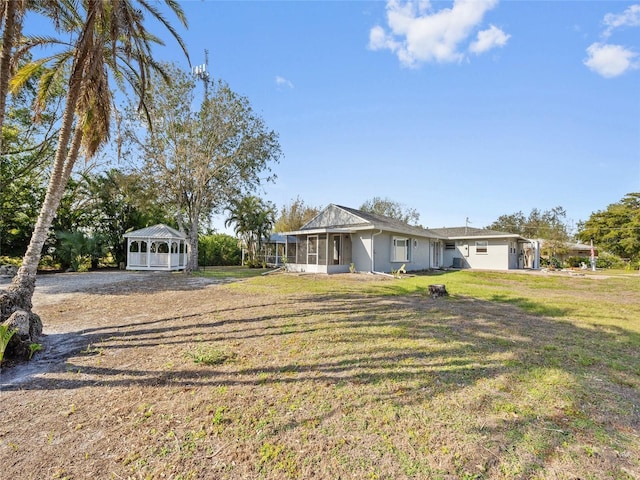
157, 248
340, 238
468, 247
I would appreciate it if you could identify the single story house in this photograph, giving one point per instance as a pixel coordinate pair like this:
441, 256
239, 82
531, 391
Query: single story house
468, 247
157, 248
572, 249
340, 239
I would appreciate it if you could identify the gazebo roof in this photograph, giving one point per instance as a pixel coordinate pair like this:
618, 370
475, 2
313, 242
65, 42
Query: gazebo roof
156, 231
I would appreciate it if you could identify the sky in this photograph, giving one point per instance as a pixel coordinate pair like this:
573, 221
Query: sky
463, 110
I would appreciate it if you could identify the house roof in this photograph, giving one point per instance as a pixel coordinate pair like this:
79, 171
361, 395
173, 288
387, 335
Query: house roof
156, 231
571, 246
337, 218
471, 232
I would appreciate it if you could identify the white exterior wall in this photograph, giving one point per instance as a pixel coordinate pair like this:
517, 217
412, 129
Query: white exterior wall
360, 251
420, 253
497, 257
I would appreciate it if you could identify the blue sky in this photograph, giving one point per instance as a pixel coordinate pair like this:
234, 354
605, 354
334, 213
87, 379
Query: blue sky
459, 109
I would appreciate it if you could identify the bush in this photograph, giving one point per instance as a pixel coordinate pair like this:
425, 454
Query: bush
553, 262
4, 260
576, 262
218, 249
607, 260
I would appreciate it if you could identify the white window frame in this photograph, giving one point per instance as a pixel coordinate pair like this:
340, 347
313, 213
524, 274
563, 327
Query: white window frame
482, 247
396, 249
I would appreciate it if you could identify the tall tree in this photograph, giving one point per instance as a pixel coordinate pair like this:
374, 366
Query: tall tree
116, 202
203, 161
392, 209
616, 229
294, 215
109, 37
548, 225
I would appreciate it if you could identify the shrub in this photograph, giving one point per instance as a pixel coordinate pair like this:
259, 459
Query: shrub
607, 260
218, 249
576, 262
4, 260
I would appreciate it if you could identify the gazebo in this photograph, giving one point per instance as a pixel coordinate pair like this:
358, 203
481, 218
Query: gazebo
157, 248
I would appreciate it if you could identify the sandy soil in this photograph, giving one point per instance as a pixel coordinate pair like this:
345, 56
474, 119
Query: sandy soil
64, 334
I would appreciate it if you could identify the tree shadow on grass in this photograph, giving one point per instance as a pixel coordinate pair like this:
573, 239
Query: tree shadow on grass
401, 352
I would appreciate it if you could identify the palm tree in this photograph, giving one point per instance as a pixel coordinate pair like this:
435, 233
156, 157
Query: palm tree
111, 41
253, 221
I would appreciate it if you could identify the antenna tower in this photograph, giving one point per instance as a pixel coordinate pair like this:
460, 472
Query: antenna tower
201, 73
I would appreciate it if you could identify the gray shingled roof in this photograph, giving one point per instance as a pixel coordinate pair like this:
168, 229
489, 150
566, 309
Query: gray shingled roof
470, 232
156, 231
389, 224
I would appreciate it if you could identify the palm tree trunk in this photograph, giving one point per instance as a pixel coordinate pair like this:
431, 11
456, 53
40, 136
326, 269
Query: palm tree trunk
24, 282
10, 23
26, 278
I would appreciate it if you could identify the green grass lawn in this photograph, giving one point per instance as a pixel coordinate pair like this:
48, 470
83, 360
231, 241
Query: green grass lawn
511, 376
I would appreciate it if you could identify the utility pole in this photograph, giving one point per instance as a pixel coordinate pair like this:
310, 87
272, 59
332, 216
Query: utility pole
201, 73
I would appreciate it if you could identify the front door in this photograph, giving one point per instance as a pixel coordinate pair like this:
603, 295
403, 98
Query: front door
312, 250
336, 250
436, 255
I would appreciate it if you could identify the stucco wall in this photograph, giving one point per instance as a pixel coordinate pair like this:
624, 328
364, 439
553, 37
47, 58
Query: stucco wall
420, 252
496, 258
361, 246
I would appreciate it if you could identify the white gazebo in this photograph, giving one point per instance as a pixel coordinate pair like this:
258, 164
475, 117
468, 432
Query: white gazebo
157, 248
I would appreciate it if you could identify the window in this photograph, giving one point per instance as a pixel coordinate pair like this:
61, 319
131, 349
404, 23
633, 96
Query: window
449, 246
400, 249
482, 246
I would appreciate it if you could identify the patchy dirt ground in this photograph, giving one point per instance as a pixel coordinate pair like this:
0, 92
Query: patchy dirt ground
158, 375
67, 333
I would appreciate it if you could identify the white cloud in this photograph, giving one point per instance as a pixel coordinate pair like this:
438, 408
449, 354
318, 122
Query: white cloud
610, 60
488, 39
629, 18
283, 82
417, 34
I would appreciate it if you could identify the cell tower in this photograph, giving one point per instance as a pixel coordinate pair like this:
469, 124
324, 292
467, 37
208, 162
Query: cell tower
201, 73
